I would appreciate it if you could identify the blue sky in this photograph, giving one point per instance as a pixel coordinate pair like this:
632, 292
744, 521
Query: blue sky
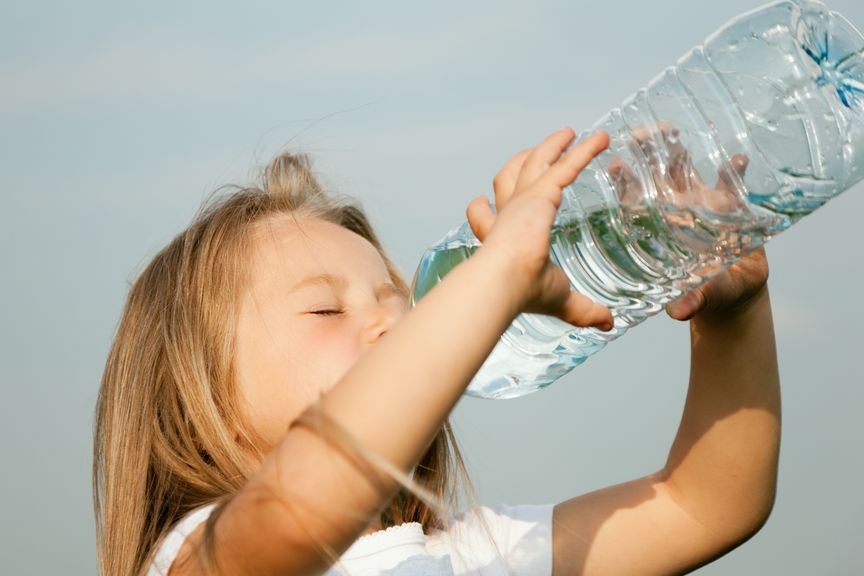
117, 120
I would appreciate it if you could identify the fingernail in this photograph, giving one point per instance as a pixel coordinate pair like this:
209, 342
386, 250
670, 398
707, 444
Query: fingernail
606, 326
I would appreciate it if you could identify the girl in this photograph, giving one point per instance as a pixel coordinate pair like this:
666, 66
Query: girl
268, 393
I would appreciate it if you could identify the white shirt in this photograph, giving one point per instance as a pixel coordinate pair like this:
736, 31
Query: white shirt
518, 543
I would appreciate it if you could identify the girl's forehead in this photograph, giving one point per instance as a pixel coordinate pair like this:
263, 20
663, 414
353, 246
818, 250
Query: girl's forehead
309, 245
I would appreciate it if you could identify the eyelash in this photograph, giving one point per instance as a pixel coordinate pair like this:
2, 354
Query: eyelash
328, 312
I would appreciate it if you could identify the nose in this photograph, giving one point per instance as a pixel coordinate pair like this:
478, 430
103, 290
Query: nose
381, 319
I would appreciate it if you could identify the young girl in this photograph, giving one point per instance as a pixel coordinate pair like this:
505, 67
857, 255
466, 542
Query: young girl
271, 406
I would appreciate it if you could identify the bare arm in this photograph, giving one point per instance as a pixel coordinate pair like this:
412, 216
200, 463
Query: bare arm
723, 463
718, 485
307, 495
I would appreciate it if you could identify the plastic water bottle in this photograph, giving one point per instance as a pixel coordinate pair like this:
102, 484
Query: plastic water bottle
780, 89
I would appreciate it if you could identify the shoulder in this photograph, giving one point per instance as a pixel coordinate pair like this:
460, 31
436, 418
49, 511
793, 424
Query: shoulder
168, 548
519, 537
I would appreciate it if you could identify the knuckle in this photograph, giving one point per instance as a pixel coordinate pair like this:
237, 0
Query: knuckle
477, 203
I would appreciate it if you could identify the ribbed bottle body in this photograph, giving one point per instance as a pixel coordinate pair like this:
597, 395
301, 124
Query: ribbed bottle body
749, 132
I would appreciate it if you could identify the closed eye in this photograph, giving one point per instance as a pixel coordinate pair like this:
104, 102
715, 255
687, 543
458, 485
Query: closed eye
327, 312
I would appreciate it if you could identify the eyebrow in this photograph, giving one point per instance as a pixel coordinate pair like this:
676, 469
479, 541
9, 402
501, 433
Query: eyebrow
339, 283
390, 288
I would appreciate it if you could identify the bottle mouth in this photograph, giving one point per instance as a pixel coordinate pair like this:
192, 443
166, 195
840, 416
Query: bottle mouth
836, 49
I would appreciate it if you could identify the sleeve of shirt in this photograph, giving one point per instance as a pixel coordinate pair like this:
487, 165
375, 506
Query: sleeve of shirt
173, 541
503, 539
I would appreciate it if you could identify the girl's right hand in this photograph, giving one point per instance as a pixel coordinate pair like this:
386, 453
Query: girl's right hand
528, 192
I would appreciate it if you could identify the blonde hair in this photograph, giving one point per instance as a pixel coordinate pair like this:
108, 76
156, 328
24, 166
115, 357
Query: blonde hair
168, 419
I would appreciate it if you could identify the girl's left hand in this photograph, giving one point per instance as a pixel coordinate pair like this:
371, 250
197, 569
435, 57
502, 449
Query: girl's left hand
733, 288
727, 293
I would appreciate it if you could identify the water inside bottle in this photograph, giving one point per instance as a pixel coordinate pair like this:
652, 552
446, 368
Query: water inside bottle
631, 259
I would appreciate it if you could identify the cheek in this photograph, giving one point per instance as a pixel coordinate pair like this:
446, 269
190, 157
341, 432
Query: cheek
273, 378
326, 353
281, 375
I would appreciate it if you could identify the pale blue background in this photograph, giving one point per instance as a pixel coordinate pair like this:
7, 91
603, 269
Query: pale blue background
116, 120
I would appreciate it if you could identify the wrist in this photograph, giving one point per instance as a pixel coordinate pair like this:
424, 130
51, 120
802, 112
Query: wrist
512, 284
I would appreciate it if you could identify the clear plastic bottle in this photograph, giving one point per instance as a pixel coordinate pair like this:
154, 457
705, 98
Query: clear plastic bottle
779, 90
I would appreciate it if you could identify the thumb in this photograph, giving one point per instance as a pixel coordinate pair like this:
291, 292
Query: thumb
480, 217
687, 306
580, 310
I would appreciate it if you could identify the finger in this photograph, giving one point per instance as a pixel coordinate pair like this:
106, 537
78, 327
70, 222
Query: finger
505, 181
660, 144
480, 217
654, 137
627, 186
681, 171
576, 159
543, 156
580, 310
730, 174
648, 131
728, 193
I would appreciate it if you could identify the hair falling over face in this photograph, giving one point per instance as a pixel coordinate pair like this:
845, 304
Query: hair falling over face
169, 432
